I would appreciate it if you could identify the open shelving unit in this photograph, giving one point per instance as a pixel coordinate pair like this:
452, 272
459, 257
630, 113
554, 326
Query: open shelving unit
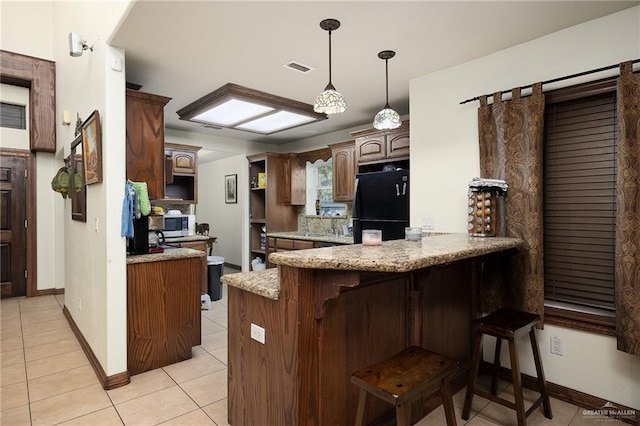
267, 213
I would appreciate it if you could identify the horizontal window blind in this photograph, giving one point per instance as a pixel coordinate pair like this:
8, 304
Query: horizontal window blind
13, 116
580, 201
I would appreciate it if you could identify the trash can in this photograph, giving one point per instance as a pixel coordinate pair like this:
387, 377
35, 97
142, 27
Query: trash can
214, 271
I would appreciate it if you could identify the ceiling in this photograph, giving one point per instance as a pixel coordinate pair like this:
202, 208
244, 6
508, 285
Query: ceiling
185, 50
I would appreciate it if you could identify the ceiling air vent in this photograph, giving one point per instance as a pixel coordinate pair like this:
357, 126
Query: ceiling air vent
297, 66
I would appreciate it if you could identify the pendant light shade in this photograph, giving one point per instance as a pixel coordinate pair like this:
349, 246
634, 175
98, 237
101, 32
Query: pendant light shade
330, 101
387, 118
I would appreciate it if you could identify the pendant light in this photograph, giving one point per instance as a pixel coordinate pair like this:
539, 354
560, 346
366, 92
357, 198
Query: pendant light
387, 118
330, 101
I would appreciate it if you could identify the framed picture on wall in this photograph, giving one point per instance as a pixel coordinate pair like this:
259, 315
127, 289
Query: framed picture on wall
231, 189
92, 149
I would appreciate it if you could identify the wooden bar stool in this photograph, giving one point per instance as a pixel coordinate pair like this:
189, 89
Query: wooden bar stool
507, 324
404, 378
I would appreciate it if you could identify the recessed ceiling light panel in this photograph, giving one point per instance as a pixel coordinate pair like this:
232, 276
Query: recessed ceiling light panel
276, 122
237, 107
231, 112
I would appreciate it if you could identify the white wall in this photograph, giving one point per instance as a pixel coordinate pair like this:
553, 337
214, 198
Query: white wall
444, 157
37, 43
87, 259
226, 220
95, 254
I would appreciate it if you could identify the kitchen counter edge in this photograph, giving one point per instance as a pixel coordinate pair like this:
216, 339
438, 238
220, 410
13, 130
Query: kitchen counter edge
168, 254
396, 255
264, 283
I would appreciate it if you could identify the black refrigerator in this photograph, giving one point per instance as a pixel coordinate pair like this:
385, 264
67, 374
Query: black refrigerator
381, 201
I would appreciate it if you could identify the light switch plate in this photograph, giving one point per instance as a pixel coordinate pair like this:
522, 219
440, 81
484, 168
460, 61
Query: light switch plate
116, 63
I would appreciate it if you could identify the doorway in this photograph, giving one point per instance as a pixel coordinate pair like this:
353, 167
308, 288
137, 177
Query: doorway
13, 226
18, 263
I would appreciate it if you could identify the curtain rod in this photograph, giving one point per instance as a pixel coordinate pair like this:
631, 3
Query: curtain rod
566, 77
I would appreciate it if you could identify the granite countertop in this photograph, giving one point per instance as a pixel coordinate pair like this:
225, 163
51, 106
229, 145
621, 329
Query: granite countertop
168, 254
396, 255
307, 236
264, 283
190, 238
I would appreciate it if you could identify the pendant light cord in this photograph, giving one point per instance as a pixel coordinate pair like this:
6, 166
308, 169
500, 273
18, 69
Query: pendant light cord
330, 57
386, 66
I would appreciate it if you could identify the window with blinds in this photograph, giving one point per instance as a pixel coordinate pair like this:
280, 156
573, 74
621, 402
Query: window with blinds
13, 116
580, 200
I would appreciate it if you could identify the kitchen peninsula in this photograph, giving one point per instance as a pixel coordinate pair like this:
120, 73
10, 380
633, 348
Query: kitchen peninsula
329, 311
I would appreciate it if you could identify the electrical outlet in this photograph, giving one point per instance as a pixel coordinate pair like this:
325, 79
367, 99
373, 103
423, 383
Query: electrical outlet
557, 346
79, 304
257, 333
427, 223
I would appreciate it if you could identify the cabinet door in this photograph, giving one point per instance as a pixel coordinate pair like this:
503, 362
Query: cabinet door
293, 188
181, 174
398, 143
163, 312
344, 169
145, 141
285, 186
184, 162
373, 148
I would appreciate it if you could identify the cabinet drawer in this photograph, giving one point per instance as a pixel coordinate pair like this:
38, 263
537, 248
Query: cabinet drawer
284, 244
271, 243
302, 245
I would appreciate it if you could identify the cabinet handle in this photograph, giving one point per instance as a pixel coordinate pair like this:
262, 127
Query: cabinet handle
404, 188
397, 190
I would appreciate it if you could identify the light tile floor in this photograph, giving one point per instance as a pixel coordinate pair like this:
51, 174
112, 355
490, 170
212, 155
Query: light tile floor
46, 379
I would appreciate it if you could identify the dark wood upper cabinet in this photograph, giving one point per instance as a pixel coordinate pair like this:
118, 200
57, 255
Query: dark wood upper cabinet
184, 161
181, 173
344, 170
293, 188
380, 146
145, 141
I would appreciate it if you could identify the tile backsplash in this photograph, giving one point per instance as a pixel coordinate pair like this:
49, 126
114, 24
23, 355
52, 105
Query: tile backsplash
323, 224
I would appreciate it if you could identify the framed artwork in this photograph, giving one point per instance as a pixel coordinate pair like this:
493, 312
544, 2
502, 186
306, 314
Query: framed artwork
92, 149
231, 189
79, 193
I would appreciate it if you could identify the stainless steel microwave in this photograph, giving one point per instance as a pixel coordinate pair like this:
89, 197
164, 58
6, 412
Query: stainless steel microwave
179, 225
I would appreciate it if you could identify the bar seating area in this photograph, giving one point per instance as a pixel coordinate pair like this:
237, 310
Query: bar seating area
507, 324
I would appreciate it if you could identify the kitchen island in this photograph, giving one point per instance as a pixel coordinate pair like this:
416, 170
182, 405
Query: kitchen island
329, 311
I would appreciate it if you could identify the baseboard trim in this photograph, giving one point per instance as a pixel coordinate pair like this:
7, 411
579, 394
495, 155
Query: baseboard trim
48, 291
231, 265
108, 382
571, 396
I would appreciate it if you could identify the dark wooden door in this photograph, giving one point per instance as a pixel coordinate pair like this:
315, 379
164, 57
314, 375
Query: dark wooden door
13, 234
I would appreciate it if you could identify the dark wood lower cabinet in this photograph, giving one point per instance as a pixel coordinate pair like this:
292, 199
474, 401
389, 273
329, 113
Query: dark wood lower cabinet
163, 312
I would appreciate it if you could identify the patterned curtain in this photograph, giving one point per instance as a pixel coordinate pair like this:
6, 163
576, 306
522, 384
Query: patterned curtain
511, 140
627, 290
